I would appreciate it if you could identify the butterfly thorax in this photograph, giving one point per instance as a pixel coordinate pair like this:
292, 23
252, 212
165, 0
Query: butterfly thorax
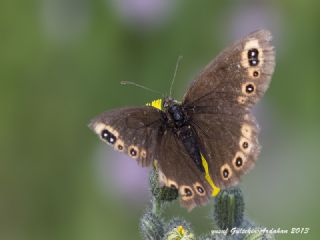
176, 115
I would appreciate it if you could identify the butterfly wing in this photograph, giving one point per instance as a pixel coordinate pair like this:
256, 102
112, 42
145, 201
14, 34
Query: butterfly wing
239, 75
140, 129
219, 103
229, 144
177, 169
133, 131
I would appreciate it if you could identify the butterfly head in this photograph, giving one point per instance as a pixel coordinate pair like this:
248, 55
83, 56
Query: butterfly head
168, 102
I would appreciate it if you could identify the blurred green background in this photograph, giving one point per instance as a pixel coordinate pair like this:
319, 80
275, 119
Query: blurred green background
61, 62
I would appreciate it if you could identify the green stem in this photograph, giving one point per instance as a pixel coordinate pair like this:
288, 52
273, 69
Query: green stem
156, 206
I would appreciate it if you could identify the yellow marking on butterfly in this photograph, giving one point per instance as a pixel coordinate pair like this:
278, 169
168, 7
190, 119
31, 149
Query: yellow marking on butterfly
215, 189
156, 104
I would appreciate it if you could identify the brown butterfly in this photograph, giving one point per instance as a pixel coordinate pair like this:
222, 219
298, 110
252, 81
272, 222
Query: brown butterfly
210, 139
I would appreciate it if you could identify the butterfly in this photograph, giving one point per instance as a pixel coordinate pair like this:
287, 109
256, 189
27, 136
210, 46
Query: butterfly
210, 139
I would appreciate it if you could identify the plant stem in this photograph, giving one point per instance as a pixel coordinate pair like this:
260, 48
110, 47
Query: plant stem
156, 206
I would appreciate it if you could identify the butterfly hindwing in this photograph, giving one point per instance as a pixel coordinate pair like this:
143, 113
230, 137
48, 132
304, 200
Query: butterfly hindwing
133, 131
230, 146
177, 169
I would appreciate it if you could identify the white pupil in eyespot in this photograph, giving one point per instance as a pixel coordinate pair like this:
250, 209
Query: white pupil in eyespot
105, 134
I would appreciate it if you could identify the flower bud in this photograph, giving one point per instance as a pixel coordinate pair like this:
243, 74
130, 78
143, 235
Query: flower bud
161, 193
229, 208
178, 229
151, 226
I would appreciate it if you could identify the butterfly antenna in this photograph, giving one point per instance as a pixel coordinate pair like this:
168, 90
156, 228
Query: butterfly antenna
138, 85
175, 73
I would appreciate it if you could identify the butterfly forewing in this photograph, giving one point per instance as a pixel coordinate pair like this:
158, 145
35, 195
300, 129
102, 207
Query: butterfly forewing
240, 74
134, 131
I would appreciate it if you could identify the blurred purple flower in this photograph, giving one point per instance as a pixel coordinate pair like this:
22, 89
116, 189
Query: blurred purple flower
143, 13
121, 177
248, 16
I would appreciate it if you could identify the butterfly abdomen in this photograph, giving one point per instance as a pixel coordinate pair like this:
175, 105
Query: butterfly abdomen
188, 138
